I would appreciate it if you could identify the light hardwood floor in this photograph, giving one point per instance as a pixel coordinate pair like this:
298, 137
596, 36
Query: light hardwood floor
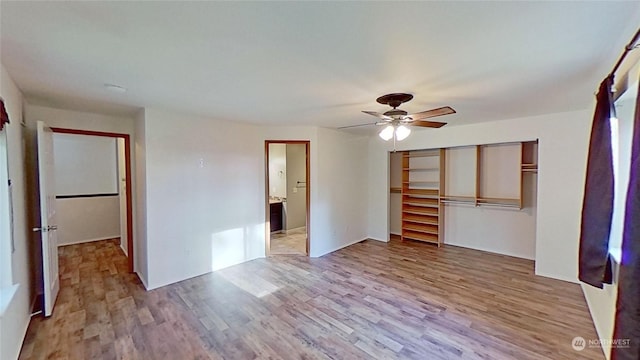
293, 242
368, 301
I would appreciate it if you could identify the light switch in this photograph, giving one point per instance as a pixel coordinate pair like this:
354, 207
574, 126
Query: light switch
295, 190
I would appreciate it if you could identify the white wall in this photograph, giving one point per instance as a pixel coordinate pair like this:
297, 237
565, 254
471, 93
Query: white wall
562, 150
342, 192
80, 120
506, 231
278, 170
296, 205
205, 193
499, 230
15, 317
204, 188
338, 185
87, 219
140, 198
85, 165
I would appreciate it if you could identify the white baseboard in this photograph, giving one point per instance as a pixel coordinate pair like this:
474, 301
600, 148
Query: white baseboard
144, 283
338, 248
90, 240
490, 250
557, 277
124, 248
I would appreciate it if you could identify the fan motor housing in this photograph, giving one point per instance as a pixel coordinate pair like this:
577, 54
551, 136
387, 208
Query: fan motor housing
396, 112
394, 100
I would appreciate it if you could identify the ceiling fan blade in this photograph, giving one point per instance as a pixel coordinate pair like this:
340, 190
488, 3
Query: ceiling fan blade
381, 116
352, 126
429, 124
445, 110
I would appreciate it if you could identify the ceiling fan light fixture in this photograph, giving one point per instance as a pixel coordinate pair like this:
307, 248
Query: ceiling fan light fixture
387, 133
402, 132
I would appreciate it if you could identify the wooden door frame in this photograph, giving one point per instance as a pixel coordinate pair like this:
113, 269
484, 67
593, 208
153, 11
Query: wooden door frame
267, 225
128, 190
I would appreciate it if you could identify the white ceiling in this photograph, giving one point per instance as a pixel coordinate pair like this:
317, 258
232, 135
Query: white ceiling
315, 63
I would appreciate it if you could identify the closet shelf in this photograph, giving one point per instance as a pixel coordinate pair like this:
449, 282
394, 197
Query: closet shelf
416, 201
422, 192
420, 210
423, 228
422, 154
421, 219
413, 235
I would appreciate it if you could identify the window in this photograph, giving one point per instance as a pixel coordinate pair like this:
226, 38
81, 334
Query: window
6, 231
621, 137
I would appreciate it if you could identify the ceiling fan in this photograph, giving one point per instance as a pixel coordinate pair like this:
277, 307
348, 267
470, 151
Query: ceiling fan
396, 122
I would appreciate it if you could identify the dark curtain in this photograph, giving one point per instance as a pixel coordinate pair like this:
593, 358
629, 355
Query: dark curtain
597, 207
4, 117
627, 326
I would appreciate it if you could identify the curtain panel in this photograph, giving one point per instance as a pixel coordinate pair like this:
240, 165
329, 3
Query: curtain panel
4, 117
597, 206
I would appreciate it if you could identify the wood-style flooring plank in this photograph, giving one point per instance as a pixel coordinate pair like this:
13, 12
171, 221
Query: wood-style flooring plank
397, 300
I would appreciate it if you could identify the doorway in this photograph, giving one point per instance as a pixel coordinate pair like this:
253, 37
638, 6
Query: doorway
123, 187
287, 196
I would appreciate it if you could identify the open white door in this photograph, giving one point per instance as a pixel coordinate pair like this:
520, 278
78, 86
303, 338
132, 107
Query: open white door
48, 225
122, 190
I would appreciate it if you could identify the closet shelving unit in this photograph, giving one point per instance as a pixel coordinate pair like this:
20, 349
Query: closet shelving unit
529, 163
487, 175
487, 198
523, 160
469, 196
422, 176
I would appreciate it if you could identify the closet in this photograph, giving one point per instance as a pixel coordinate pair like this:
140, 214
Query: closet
493, 176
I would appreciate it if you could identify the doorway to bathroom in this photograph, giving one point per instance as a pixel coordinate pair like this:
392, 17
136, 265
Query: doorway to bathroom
287, 197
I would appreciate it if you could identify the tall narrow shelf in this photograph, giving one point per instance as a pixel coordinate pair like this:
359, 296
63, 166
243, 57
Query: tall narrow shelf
529, 163
422, 211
